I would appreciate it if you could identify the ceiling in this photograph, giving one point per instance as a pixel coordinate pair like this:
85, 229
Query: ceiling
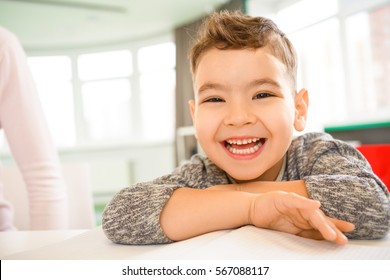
59, 24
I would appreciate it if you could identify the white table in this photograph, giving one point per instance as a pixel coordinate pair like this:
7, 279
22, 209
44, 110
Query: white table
12, 242
244, 243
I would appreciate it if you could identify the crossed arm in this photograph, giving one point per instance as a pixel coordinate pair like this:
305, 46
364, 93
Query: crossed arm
182, 205
281, 206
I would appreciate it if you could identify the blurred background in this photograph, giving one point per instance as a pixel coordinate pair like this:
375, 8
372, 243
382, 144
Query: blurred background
114, 80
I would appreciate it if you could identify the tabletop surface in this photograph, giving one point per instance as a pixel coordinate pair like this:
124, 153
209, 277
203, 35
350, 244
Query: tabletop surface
243, 243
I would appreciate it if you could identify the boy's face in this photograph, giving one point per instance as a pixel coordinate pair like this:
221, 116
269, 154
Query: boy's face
245, 112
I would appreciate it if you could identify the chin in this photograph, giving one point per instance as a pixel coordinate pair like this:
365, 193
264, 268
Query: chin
242, 178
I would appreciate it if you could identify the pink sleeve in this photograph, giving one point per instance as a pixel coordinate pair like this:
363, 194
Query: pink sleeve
25, 128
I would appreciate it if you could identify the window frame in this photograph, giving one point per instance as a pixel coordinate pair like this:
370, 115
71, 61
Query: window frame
346, 9
80, 126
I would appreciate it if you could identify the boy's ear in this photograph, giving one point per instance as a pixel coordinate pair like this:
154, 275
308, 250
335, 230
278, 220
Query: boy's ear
301, 107
191, 105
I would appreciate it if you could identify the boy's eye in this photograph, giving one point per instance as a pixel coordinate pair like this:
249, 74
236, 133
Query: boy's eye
261, 95
214, 99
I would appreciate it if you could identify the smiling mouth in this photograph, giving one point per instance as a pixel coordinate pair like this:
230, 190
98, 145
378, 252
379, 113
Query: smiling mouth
244, 146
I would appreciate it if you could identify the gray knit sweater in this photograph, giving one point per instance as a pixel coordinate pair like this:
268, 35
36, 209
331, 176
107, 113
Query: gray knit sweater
335, 174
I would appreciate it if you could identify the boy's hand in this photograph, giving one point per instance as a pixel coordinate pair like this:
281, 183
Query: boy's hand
291, 213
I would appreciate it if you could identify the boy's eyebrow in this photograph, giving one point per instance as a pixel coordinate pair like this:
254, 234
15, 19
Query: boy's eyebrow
210, 85
264, 81
254, 83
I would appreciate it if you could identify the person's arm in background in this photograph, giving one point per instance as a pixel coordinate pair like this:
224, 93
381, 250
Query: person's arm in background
25, 127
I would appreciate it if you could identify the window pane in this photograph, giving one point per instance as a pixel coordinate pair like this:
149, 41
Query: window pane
304, 13
321, 72
48, 68
368, 49
157, 105
105, 65
157, 57
52, 76
107, 109
3, 142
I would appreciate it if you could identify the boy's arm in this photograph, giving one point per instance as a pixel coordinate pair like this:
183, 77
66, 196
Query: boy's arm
297, 187
133, 214
338, 176
348, 197
192, 212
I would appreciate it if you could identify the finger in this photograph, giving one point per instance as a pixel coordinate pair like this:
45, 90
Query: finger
324, 226
292, 200
328, 229
312, 234
316, 235
343, 226
340, 227
340, 239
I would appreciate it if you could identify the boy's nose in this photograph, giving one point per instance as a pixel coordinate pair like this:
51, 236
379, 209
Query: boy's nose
239, 115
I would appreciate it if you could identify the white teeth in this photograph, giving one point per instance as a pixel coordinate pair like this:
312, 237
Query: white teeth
247, 151
242, 141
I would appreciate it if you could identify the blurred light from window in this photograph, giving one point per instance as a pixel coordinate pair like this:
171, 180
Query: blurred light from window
52, 75
105, 65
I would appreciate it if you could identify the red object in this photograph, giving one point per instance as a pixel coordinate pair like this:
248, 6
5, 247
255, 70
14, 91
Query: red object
378, 155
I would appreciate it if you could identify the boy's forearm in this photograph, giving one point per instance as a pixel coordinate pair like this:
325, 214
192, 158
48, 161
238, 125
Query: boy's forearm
297, 187
192, 212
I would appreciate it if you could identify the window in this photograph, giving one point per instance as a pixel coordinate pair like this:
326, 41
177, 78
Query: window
109, 97
105, 65
321, 73
344, 57
296, 16
316, 37
53, 76
368, 49
157, 86
106, 95
106, 107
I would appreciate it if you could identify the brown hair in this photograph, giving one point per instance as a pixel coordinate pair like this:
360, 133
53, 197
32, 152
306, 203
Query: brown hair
233, 30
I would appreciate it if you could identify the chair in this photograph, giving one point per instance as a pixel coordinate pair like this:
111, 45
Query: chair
378, 155
80, 199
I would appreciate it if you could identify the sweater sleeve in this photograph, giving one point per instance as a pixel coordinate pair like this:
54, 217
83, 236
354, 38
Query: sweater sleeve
338, 176
133, 215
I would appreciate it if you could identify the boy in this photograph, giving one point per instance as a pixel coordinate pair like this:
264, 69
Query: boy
245, 110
